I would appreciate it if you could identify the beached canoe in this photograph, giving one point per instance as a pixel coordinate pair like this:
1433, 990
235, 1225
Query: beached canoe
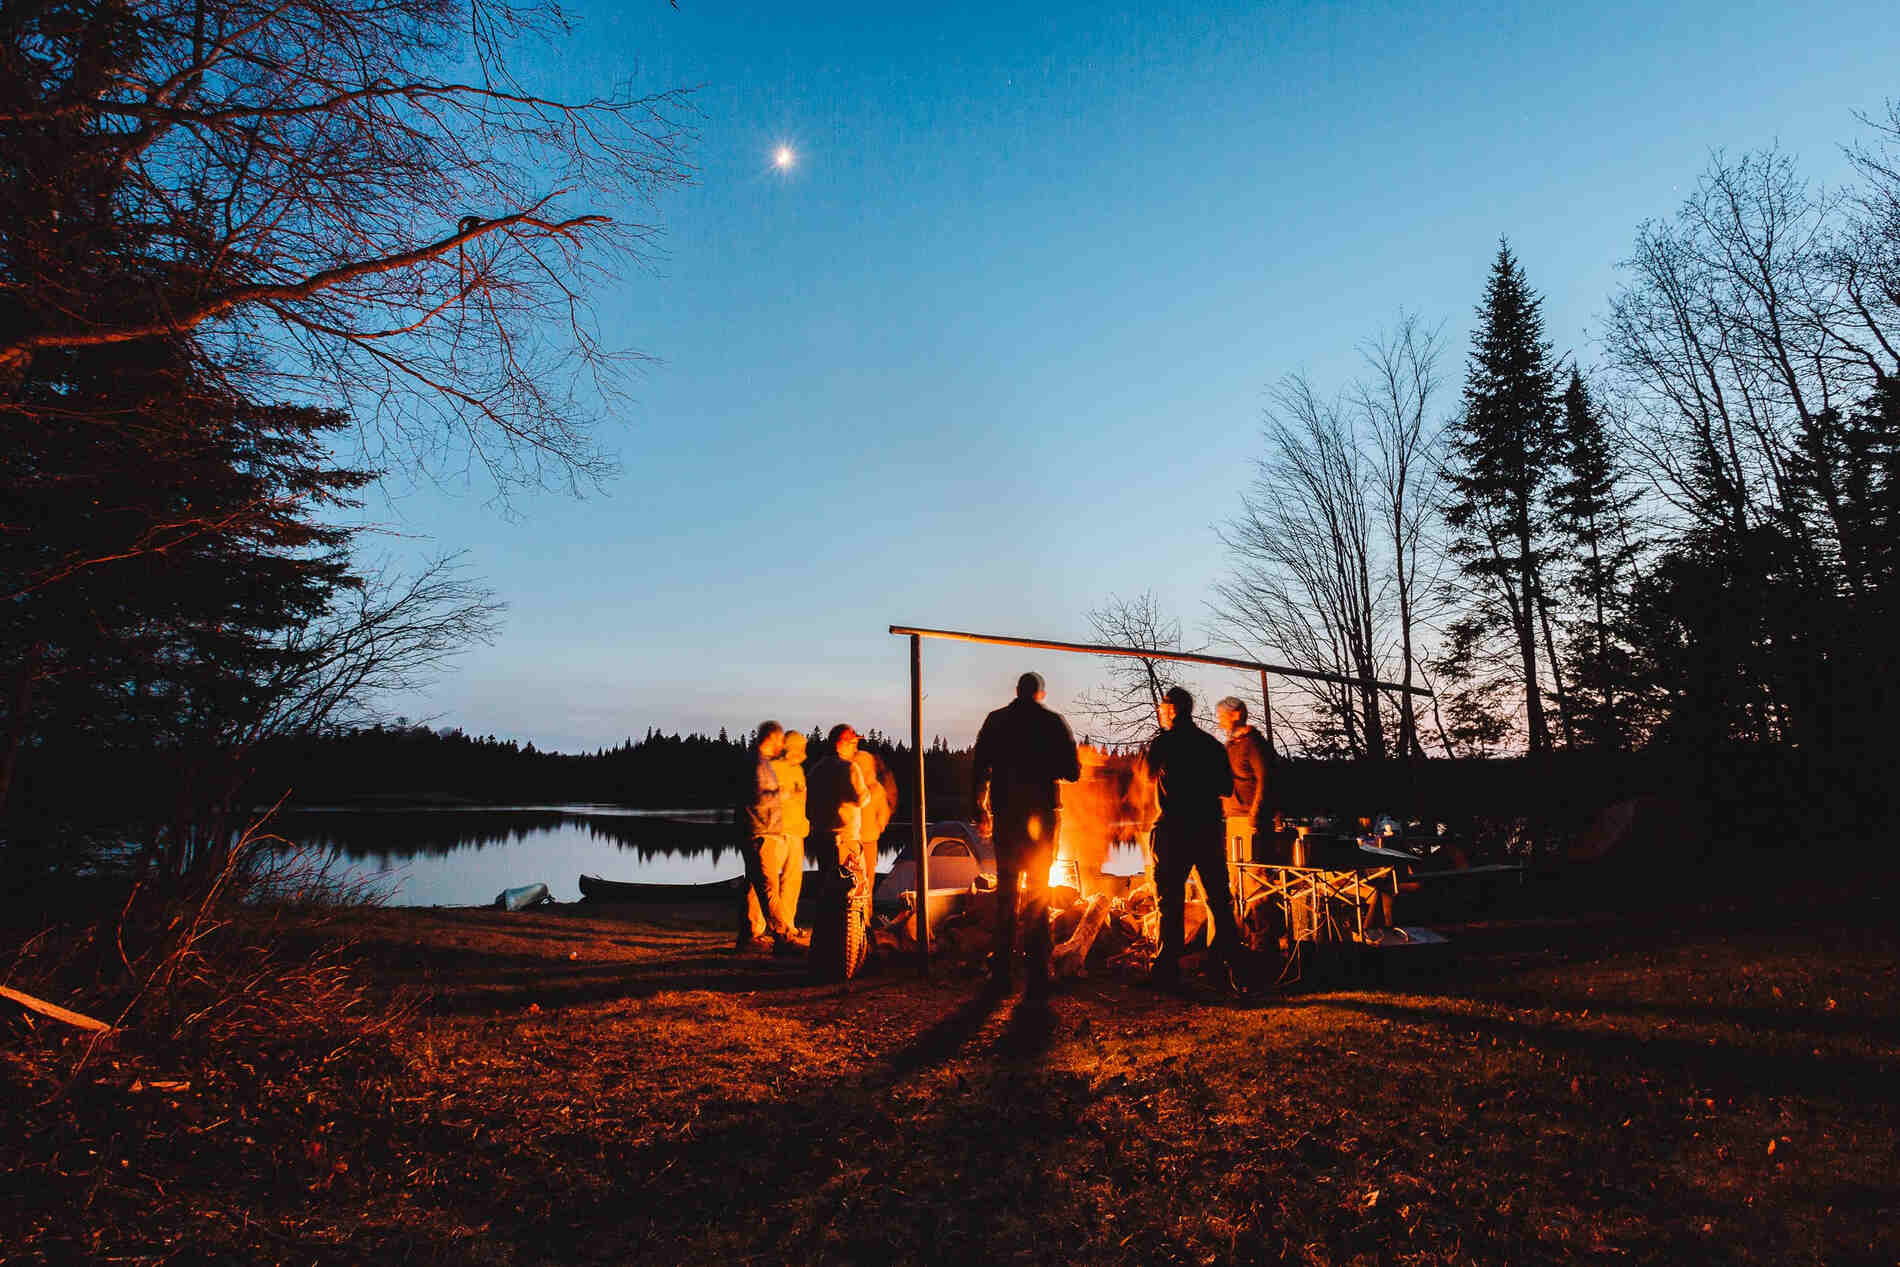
522, 897
595, 889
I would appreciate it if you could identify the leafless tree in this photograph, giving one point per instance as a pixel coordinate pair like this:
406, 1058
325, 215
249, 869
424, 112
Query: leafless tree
1867, 258
391, 634
1123, 707
1396, 401
1306, 588
354, 200
1747, 324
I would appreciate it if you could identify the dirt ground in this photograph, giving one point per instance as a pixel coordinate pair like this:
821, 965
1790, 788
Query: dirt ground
608, 1086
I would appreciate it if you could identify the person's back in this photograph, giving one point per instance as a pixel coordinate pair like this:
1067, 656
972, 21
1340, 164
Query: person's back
1191, 773
1021, 752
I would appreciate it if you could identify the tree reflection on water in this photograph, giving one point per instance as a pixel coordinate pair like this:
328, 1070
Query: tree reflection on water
391, 837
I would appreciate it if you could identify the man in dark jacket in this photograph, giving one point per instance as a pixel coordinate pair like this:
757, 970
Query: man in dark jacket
1248, 837
1021, 753
1191, 774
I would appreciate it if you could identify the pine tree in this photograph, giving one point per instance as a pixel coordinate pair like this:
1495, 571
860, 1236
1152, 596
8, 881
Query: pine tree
1500, 453
1590, 513
174, 533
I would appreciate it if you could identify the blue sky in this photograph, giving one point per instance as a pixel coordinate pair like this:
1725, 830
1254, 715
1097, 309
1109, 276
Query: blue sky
997, 346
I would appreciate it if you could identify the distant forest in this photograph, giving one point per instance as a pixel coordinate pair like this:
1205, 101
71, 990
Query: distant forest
407, 763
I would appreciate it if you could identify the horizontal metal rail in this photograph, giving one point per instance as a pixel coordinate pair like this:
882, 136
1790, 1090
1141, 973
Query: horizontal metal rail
1148, 653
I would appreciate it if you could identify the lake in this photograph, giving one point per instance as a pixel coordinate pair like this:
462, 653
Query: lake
464, 856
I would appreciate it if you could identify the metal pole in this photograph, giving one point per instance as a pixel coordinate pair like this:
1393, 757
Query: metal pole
1147, 653
1266, 711
919, 830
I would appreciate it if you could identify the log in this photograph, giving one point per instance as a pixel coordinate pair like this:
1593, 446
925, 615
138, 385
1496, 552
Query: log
54, 1010
1061, 897
1072, 955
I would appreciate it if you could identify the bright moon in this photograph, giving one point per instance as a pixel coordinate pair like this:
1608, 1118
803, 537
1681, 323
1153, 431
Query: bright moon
782, 157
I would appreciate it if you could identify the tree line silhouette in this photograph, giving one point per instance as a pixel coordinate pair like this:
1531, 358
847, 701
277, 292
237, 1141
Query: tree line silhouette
404, 763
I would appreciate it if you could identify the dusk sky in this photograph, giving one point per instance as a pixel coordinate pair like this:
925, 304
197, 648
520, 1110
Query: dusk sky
996, 345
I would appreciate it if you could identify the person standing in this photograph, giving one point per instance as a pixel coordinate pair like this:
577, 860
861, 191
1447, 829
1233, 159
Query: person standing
881, 785
836, 796
1191, 774
764, 909
789, 766
1249, 823
1022, 751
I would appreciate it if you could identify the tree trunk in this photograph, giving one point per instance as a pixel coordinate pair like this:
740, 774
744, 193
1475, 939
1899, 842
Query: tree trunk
1521, 616
1556, 670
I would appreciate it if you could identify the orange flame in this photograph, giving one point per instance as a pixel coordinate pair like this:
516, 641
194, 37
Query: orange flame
1108, 803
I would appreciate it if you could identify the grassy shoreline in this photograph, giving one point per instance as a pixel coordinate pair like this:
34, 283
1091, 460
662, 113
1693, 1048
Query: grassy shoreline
588, 1086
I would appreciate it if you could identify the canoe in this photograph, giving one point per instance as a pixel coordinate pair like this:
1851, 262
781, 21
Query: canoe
522, 897
595, 889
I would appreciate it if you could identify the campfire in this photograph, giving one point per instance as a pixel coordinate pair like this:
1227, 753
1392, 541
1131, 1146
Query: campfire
1095, 917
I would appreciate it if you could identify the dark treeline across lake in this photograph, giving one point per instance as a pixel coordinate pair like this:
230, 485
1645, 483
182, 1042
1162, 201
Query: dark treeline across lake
414, 763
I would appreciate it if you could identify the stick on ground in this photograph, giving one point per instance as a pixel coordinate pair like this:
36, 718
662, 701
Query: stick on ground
53, 1010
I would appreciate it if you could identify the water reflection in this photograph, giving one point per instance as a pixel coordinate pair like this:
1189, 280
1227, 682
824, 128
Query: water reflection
388, 837
463, 857
418, 856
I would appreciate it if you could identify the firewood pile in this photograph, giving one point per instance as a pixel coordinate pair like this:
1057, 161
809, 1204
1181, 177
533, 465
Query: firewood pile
1093, 933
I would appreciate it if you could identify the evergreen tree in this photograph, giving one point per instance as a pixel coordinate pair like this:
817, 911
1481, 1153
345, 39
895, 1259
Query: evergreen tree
1590, 514
1500, 455
169, 532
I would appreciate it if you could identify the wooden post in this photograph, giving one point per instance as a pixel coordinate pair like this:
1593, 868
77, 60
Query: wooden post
920, 828
1266, 730
1266, 712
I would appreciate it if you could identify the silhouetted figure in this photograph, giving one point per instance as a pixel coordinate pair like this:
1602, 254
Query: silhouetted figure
1191, 775
1021, 752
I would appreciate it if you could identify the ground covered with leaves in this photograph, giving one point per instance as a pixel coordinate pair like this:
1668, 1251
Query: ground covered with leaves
580, 1086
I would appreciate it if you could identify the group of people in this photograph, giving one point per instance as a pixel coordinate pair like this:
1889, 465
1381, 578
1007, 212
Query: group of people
1212, 807
838, 808
1212, 802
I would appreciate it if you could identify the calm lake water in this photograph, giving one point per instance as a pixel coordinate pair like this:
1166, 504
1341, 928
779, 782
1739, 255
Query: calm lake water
456, 856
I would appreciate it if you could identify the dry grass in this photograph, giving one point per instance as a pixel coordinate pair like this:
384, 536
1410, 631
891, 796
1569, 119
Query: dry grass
588, 1088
